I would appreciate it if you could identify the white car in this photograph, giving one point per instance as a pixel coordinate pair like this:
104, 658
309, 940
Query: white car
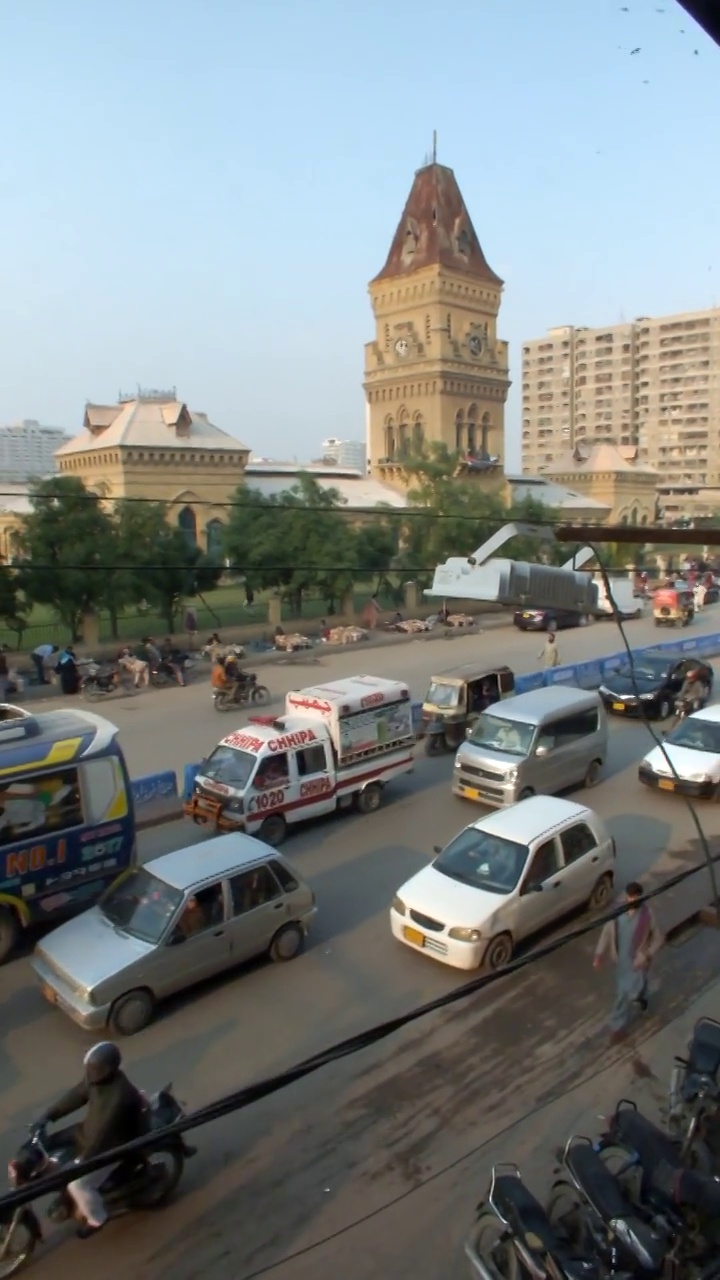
503, 879
693, 746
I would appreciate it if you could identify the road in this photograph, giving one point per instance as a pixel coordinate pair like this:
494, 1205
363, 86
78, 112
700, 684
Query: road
309, 1160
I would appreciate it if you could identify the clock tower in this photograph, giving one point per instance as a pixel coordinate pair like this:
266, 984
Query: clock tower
437, 370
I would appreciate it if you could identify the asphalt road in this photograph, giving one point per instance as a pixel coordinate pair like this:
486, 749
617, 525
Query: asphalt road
308, 1161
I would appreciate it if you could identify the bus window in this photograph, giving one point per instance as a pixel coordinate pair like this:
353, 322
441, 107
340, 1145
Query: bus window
104, 789
40, 806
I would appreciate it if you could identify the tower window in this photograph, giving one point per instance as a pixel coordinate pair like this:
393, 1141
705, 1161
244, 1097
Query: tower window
427, 328
387, 337
448, 324
434, 217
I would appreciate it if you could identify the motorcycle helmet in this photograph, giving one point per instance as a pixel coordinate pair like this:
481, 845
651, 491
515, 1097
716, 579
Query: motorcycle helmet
102, 1062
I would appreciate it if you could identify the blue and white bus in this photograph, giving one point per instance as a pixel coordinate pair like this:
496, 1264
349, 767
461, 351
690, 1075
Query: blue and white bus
67, 826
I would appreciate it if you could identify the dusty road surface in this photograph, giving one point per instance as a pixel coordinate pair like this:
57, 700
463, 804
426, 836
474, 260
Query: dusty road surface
312, 1159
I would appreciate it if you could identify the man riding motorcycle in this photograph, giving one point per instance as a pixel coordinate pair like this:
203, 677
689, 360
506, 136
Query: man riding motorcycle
116, 1114
228, 678
693, 694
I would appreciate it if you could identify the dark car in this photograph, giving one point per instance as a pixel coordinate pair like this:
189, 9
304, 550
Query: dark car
653, 684
548, 619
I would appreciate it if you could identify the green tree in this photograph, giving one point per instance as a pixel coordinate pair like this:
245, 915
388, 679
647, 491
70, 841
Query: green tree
65, 550
157, 562
295, 541
13, 609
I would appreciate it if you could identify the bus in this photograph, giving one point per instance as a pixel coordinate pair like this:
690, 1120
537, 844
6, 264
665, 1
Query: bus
67, 824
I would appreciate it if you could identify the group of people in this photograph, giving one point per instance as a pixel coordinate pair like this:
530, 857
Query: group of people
138, 664
62, 661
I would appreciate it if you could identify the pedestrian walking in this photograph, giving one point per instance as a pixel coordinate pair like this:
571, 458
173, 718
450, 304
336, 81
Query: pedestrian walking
39, 657
630, 942
139, 670
550, 653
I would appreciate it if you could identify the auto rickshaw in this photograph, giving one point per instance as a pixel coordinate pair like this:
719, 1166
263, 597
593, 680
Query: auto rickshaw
673, 607
454, 701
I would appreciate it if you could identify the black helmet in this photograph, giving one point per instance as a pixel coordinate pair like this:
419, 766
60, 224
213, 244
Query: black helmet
102, 1062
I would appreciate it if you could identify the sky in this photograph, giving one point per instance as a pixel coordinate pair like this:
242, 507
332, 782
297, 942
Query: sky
195, 193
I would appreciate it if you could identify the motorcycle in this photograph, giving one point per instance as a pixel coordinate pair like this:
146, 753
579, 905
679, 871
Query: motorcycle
694, 1111
103, 681
651, 1168
590, 1205
513, 1238
242, 693
166, 672
146, 1180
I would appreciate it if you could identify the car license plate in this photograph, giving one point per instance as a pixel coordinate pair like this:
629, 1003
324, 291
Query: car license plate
528, 615
49, 994
414, 936
471, 793
666, 784
618, 706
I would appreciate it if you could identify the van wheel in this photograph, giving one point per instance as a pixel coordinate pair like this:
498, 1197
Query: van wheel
287, 943
526, 794
592, 777
370, 799
132, 1013
601, 894
9, 933
499, 953
273, 830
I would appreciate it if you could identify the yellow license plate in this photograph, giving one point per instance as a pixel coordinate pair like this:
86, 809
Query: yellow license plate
618, 706
49, 994
527, 615
471, 793
414, 936
666, 784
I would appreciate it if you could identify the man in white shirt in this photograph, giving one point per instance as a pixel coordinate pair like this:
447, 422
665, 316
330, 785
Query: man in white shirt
40, 656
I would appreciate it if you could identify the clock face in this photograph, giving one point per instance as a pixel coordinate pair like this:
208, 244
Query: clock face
402, 347
475, 345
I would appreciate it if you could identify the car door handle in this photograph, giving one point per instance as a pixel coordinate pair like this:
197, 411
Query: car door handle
218, 933
557, 884
596, 858
279, 906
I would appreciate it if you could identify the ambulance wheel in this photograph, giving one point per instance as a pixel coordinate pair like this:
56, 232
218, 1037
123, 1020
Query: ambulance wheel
273, 829
9, 933
370, 798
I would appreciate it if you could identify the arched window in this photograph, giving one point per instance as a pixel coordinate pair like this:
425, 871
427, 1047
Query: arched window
460, 431
634, 516
644, 520
485, 433
472, 441
403, 433
418, 434
188, 525
390, 438
214, 535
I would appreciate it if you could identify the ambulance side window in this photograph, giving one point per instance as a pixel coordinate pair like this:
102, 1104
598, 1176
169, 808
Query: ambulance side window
273, 771
311, 760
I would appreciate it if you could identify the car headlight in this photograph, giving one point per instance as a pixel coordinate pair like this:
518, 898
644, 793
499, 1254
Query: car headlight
511, 775
234, 806
458, 763
647, 696
700, 777
399, 906
465, 935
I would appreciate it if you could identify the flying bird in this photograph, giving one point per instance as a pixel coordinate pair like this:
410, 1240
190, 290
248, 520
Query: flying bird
634, 51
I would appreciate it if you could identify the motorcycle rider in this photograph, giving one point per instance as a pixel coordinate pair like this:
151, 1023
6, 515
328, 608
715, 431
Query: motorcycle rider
116, 1114
693, 694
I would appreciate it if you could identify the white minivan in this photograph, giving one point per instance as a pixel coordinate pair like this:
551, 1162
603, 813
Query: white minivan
506, 877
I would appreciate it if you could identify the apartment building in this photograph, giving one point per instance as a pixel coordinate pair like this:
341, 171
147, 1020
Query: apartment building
653, 384
346, 453
27, 450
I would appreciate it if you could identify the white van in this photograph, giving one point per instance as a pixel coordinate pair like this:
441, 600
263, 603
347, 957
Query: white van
537, 743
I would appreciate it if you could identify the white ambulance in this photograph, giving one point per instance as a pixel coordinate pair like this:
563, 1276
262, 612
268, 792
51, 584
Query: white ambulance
337, 744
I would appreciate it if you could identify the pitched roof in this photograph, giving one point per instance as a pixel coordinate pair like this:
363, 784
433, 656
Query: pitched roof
150, 424
597, 458
436, 230
554, 495
357, 489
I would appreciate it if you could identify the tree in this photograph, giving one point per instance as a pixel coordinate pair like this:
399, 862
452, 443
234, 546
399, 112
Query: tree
294, 541
12, 610
156, 561
64, 548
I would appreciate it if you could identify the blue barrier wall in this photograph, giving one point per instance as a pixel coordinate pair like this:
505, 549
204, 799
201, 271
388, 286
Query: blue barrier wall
583, 675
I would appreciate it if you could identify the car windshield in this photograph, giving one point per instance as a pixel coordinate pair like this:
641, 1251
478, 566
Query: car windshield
226, 764
484, 861
645, 669
696, 733
510, 736
444, 695
140, 904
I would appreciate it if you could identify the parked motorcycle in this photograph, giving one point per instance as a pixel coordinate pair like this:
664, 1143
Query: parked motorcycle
166, 672
146, 1180
243, 693
513, 1238
103, 681
590, 1205
694, 1112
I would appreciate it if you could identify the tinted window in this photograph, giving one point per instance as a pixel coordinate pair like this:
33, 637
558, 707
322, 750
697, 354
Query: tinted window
40, 805
140, 904
577, 725
482, 860
545, 863
311, 760
644, 668
283, 873
577, 841
273, 771
251, 889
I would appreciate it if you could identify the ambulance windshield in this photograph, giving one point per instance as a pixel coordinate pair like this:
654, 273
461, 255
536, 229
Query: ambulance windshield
226, 764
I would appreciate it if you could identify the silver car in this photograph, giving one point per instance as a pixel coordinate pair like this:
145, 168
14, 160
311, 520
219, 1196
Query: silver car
175, 921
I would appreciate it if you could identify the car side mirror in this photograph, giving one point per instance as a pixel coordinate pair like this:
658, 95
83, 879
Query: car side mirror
176, 938
534, 886
542, 751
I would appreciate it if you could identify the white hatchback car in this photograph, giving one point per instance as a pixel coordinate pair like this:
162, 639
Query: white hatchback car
693, 746
504, 878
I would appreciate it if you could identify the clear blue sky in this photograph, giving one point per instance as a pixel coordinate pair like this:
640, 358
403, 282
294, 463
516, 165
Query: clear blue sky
196, 192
